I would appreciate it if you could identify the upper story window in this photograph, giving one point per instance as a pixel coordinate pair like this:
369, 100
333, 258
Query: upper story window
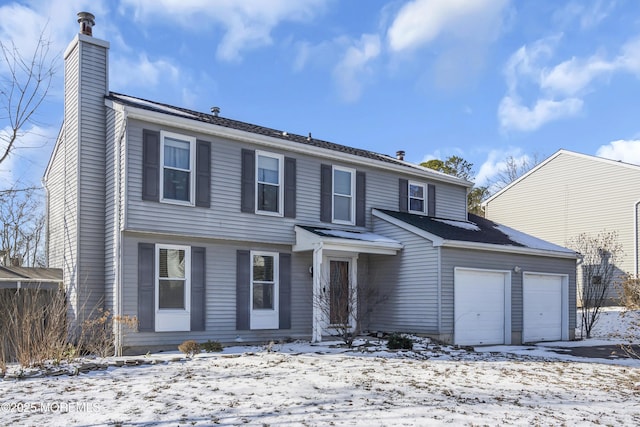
177, 161
417, 197
269, 178
344, 185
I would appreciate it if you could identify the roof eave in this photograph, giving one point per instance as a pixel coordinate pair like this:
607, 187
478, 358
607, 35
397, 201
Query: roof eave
240, 135
524, 250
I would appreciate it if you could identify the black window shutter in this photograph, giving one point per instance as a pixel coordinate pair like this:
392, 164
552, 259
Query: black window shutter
285, 291
247, 193
289, 187
431, 200
326, 190
403, 199
198, 281
150, 165
243, 278
361, 199
203, 174
146, 287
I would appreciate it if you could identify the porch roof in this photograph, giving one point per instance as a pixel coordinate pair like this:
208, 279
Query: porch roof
14, 277
309, 238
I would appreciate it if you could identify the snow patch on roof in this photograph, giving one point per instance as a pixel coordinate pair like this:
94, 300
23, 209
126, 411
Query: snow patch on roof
368, 237
530, 241
460, 224
155, 105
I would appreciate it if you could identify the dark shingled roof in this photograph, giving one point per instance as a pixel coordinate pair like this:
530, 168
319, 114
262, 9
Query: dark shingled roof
248, 127
486, 233
30, 274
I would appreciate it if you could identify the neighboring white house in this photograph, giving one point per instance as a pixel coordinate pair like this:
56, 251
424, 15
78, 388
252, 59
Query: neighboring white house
571, 193
205, 227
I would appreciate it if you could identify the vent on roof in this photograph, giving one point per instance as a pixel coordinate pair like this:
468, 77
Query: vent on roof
400, 155
86, 21
215, 111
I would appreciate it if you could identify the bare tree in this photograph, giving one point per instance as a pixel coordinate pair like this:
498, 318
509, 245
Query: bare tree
513, 169
24, 85
599, 256
345, 305
23, 223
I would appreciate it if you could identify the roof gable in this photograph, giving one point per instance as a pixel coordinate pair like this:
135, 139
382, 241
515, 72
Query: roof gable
553, 157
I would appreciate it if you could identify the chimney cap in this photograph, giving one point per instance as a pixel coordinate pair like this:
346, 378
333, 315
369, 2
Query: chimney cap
86, 21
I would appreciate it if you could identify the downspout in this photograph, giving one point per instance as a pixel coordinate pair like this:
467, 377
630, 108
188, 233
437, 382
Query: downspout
316, 328
439, 292
635, 237
117, 237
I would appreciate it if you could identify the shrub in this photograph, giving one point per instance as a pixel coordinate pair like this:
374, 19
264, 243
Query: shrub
630, 294
211, 346
399, 342
190, 348
96, 332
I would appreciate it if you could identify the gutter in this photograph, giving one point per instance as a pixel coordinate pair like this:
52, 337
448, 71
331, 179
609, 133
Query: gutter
636, 218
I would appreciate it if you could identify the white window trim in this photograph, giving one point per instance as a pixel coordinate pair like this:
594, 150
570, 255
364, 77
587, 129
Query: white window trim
266, 318
424, 196
280, 159
192, 173
173, 319
353, 195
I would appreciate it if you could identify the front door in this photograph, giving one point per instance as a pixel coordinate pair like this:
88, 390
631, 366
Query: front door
340, 298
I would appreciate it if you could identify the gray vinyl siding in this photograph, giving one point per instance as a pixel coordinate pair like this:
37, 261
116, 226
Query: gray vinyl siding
407, 283
224, 218
572, 194
220, 293
452, 258
114, 124
91, 272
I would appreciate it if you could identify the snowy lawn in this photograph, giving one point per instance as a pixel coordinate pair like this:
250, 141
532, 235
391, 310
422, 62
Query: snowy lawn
300, 384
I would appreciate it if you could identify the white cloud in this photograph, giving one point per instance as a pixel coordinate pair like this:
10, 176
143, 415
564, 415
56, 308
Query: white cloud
496, 164
627, 151
142, 72
30, 153
513, 115
559, 88
420, 22
247, 24
354, 67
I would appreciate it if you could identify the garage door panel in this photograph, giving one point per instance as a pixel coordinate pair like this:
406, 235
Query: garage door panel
542, 308
479, 307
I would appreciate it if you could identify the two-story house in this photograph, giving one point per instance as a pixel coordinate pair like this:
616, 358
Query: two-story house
204, 227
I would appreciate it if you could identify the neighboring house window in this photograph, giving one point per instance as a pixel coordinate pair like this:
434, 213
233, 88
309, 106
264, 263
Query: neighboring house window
173, 288
417, 197
269, 188
264, 290
177, 159
344, 184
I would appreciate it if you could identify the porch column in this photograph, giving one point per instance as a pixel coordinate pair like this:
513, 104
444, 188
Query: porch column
316, 335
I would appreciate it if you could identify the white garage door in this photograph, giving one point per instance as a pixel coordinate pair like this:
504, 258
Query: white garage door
479, 309
542, 307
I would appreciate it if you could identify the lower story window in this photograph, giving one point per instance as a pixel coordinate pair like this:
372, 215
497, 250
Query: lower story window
173, 288
264, 290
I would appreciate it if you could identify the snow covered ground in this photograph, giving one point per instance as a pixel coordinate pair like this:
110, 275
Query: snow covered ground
299, 384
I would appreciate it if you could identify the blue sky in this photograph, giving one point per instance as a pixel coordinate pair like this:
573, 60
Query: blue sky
481, 79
